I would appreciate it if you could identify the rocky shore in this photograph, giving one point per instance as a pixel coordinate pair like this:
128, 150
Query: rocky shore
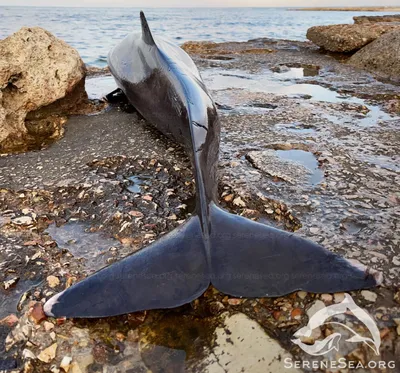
374, 40
352, 9
309, 144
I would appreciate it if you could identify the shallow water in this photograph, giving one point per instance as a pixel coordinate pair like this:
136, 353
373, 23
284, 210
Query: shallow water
270, 82
10, 298
137, 182
94, 31
307, 160
98, 87
82, 244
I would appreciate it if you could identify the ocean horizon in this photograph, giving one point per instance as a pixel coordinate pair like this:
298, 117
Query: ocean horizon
94, 31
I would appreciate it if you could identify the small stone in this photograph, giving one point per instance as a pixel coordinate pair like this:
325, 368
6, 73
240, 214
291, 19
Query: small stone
369, 296
228, 198
36, 313
302, 294
136, 214
269, 211
317, 306
28, 354
120, 337
314, 230
9, 320
234, 301
10, 283
23, 220
338, 297
48, 354
53, 281
396, 261
66, 363
28, 367
327, 298
239, 202
296, 313
48, 326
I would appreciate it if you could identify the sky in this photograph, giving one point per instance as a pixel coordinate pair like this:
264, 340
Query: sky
202, 3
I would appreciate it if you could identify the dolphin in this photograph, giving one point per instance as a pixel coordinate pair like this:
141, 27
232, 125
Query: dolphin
237, 256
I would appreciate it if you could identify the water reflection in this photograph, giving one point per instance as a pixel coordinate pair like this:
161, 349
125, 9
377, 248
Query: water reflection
267, 82
307, 160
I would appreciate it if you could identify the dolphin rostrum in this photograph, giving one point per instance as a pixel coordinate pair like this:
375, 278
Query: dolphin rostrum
239, 257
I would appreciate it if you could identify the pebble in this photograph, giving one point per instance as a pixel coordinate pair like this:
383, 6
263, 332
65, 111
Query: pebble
339, 297
9, 320
234, 301
36, 313
314, 230
23, 220
53, 281
48, 326
136, 214
318, 305
48, 354
302, 294
239, 202
66, 363
10, 283
296, 313
369, 296
327, 298
28, 354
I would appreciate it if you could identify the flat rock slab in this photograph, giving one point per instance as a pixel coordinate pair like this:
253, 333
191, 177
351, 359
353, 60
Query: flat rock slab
269, 162
381, 56
243, 346
347, 38
376, 19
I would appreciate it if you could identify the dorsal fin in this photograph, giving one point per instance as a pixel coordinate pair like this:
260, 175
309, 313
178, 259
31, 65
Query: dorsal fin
146, 33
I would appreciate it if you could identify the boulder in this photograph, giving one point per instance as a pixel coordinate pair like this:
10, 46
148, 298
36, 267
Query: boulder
375, 19
36, 70
347, 38
381, 56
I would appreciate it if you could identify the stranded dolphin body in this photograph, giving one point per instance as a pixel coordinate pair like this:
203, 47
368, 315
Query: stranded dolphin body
236, 255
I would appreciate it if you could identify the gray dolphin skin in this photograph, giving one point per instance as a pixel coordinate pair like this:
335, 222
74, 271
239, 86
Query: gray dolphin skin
237, 256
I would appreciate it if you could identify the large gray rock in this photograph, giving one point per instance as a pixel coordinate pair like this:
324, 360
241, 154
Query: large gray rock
347, 38
36, 70
375, 19
381, 56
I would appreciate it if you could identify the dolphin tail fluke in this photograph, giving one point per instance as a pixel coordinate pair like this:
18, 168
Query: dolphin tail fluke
170, 272
254, 260
146, 32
